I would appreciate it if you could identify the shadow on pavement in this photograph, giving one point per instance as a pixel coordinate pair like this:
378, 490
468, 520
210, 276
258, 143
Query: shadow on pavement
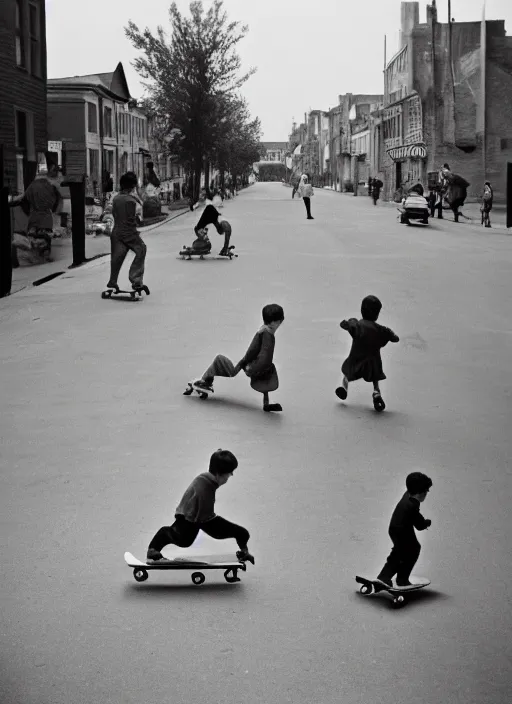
221, 589
368, 410
384, 600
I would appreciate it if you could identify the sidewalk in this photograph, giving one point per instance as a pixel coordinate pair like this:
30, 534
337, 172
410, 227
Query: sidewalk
62, 254
471, 211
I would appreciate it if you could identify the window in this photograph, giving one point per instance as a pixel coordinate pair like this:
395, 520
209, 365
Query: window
124, 163
107, 122
108, 160
94, 164
92, 118
21, 129
35, 38
504, 143
20, 41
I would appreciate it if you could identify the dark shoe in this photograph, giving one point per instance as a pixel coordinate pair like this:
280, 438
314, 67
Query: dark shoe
114, 286
342, 391
154, 557
385, 582
272, 407
310, 218
378, 401
245, 556
403, 584
202, 385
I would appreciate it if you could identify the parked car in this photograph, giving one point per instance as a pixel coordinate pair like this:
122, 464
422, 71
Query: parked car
414, 207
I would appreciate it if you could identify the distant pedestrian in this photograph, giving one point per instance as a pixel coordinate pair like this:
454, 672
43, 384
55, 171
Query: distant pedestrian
195, 512
435, 202
376, 186
486, 206
306, 193
406, 517
370, 186
257, 362
364, 360
295, 186
125, 235
41, 199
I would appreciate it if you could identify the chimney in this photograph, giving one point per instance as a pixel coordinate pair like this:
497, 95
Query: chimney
410, 17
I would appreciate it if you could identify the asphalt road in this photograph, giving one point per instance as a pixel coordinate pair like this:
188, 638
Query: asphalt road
98, 444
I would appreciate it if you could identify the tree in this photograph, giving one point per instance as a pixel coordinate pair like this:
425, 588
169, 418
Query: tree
191, 78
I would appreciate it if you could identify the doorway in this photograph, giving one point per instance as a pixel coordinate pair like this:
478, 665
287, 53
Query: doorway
398, 182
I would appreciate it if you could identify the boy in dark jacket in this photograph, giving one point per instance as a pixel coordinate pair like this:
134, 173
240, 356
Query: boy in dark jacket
195, 512
406, 517
210, 216
257, 362
364, 360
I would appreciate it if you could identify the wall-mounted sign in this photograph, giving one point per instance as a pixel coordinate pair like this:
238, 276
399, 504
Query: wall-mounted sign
414, 151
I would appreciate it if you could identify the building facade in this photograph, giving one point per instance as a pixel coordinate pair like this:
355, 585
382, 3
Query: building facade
274, 151
23, 123
99, 126
447, 94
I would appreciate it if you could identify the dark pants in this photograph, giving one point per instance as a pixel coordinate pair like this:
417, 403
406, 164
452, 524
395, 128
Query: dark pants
402, 558
439, 208
307, 203
120, 244
183, 533
294, 191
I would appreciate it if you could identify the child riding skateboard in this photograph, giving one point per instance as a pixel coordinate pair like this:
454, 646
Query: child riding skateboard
210, 216
257, 362
406, 517
195, 512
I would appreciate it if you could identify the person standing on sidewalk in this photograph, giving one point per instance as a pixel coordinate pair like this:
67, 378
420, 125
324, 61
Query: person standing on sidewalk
306, 193
376, 186
125, 235
486, 207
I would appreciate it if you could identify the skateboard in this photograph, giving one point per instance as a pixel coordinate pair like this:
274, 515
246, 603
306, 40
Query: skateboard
202, 393
196, 565
135, 295
188, 252
399, 594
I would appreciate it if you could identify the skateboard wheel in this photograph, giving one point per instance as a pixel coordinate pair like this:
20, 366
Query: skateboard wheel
231, 576
366, 589
198, 577
140, 574
399, 601
203, 397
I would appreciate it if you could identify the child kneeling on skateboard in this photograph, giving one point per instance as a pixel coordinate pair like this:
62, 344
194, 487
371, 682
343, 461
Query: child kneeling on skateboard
406, 517
364, 360
195, 512
257, 362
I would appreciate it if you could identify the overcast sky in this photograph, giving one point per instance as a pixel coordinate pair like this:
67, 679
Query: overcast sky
307, 52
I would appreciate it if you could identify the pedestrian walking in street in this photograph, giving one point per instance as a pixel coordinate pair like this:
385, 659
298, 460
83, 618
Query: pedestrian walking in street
195, 512
125, 235
454, 191
364, 360
486, 206
370, 186
306, 193
435, 202
295, 185
210, 216
376, 186
405, 518
257, 363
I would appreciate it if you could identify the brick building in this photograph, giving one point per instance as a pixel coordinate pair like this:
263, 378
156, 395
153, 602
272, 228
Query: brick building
349, 139
23, 133
99, 125
447, 97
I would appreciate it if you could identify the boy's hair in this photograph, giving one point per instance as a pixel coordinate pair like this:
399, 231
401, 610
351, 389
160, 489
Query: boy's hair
223, 227
272, 313
417, 483
370, 308
128, 181
222, 462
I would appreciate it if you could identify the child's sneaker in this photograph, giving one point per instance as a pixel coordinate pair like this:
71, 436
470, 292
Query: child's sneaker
202, 385
378, 401
342, 391
384, 582
154, 557
269, 407
244, 555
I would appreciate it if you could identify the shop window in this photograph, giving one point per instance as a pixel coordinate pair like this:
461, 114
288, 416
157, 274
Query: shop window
94, 165
34, 14
107, 122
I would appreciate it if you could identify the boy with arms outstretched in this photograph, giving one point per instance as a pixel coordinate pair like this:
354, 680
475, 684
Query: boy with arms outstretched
257, 362
195, 512
364, 360
406, 517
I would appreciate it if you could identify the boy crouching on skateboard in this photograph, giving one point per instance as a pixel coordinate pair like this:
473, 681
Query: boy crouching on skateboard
195, 513
211, 216
364, 360
406, 517
257, 362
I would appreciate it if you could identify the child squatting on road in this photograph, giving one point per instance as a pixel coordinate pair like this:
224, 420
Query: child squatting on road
406, 517
257, 362
211, 216
364, 360
125, 235
195, 512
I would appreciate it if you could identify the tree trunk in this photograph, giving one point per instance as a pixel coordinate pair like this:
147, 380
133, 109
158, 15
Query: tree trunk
197, 177
207, 175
